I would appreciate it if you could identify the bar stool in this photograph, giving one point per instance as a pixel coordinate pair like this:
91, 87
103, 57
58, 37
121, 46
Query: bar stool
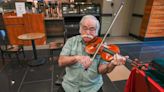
54, 46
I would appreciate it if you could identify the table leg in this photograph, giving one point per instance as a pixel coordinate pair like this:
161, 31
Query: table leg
37, 61
34, 49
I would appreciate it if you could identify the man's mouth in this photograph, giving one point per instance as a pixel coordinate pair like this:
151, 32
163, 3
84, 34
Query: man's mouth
87, 36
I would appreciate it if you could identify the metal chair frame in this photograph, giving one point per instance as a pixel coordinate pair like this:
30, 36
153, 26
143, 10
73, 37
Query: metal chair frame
8, 49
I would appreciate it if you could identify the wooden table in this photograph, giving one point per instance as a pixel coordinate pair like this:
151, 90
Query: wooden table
33, 37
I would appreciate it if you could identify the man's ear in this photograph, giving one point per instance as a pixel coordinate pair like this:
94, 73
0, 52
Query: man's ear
80, 30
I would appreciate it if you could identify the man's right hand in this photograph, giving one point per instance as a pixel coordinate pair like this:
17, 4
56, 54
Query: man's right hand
85, 61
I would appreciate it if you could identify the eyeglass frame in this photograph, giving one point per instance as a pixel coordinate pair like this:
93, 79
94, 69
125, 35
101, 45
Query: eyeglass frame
85, 28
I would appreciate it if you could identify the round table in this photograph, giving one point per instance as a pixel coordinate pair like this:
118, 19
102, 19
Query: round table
33, 37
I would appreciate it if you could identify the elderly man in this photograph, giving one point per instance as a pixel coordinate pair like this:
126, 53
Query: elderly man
75, 60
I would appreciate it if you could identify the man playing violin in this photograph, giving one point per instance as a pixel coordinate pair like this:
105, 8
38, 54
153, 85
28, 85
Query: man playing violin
82, 73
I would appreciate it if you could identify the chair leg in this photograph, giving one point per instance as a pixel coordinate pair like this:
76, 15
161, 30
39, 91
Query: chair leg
9, 55
51, 55
3, 59
18, 58
23, 54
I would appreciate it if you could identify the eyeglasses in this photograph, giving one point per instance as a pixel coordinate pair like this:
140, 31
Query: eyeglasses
91, 29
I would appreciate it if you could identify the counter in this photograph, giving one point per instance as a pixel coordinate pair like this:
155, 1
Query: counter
54, 26
16, 26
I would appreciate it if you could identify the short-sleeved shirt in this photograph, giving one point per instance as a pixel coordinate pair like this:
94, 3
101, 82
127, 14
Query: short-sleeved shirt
76, 78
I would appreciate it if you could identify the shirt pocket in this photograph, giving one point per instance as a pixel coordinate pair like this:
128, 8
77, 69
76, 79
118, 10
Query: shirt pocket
76, 65
75, 52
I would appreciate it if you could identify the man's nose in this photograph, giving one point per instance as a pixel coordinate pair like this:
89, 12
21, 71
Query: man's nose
88, 31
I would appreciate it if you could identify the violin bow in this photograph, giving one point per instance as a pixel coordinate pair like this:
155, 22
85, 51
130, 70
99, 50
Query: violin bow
109, 29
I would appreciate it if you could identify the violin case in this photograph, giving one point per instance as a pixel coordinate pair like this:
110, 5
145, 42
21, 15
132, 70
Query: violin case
156, 72
158, 64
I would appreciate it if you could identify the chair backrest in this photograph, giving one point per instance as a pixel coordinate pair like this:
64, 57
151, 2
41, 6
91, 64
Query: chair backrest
2, 34
2, 37
3, 41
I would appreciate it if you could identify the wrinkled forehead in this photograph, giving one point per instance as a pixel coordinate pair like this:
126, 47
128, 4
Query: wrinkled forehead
89, 22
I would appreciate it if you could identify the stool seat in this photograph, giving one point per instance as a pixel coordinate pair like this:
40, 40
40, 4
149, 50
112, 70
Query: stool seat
13, 48
55, 45
52, 47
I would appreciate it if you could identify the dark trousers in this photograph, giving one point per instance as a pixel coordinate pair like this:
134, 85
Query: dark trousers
62, 90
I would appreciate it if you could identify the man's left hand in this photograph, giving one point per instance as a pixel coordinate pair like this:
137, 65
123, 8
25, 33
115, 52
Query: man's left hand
119, 60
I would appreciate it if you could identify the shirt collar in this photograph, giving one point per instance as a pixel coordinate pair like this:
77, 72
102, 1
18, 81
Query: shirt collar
81, 40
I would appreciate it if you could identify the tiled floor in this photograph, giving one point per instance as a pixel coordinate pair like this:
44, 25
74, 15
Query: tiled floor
42, 78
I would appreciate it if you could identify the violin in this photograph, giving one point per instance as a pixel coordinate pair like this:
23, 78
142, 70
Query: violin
106, 51
97, 46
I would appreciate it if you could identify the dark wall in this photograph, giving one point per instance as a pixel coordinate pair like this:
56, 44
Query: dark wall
2, 26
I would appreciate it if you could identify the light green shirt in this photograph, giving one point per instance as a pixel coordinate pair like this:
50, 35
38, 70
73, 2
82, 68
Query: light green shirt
76, 78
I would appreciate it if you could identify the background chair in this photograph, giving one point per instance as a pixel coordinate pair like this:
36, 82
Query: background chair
8, 49
54, 46
69, 31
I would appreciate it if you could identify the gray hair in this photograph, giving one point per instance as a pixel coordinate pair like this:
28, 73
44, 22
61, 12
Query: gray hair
91, 17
